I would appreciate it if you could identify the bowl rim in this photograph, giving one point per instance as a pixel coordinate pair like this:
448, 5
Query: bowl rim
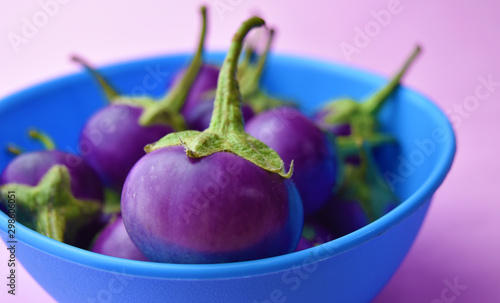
254, 267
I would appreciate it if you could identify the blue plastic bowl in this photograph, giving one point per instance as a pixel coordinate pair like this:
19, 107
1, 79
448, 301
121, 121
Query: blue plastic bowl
353, 268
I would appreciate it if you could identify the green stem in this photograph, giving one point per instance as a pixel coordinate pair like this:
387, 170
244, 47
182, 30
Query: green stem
226, 133
250, 85
110, 92
375, 102
173, 101
226, 116
243, 65
13, 149
47, 142
365, 185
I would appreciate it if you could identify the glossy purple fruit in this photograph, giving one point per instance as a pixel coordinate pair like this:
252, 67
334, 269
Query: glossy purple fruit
363, 196
29, 168
114, 241
219, 208
112, 141
295, 137
110, 209
213, 196
57, 194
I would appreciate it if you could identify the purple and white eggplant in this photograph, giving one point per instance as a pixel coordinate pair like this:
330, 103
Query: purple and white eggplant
113, 139
363, 197
56, 193
214, 196
318, 156
295, 137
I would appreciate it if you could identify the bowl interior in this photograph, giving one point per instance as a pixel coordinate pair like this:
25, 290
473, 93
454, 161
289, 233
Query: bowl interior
416, 167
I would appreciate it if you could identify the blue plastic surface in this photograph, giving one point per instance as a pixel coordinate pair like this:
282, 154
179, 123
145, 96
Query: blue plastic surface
353, 268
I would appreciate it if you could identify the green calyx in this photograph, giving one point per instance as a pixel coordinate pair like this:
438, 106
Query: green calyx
111, 202
49, 207
249, 75
226, 132
353, 146
165, 110
362, 116
366, 185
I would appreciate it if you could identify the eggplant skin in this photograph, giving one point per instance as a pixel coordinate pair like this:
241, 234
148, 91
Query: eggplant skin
114, 241
215, 209
29, 169
296, 138
112, 141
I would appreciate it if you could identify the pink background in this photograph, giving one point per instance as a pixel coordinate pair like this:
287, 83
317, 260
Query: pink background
460, 238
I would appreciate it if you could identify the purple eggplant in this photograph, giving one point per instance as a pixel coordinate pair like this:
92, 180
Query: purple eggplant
319, 161
213, 196
56, 193
110, 209
114, 138
363, 197
295, 137
319, 158
114, 153
114, 241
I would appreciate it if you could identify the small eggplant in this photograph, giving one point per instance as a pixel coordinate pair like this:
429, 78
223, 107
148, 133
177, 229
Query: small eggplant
363, 197
295, 137
213, 196
114, 241
132, 122
56, 193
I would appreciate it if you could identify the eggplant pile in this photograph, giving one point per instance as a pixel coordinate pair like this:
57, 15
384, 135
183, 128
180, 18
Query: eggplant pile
214, 171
